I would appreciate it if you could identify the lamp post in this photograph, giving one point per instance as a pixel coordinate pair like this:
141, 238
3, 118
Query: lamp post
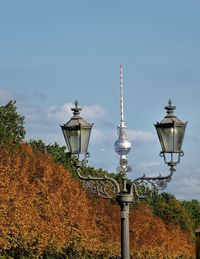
170, 132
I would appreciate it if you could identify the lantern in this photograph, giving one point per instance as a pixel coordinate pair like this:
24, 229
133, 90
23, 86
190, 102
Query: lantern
77, 132
171, 132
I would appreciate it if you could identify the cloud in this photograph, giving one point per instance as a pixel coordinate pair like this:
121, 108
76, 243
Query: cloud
44, 123
64, 112
94, 112
104, 137
144, 166
139, 137
185, 183
152, 168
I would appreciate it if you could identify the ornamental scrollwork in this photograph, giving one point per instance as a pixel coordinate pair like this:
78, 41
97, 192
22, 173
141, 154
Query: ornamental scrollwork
104, 187
145, 185
140, 188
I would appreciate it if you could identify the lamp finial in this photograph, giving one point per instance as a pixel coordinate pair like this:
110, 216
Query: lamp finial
76, 109
170, 109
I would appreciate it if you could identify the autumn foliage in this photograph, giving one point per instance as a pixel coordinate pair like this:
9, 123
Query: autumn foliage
152, 238
46, 213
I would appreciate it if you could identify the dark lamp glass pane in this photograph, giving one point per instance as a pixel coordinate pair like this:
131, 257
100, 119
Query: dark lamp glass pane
72, 138
167, 139
179, 134
66, 140
85, 136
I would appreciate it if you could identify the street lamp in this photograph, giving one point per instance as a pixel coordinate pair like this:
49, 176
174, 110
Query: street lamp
77, 133
170, 132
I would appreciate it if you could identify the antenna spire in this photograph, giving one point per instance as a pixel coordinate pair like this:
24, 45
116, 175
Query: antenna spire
121, 97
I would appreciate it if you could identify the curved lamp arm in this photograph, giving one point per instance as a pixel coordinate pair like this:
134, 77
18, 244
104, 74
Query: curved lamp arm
142, 187
145, 185
104, 186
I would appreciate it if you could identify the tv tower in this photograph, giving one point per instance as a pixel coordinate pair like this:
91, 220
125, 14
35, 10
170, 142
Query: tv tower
122, 146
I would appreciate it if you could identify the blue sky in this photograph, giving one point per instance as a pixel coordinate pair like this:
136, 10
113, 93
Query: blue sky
54, 52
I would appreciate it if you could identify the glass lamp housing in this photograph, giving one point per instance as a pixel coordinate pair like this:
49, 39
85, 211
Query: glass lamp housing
171, 131
77, 132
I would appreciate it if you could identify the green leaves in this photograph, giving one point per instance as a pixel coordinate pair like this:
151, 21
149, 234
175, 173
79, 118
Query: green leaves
171, 210
11, 124
193, 208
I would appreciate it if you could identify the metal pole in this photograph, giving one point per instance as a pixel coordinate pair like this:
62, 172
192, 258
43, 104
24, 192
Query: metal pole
125, 247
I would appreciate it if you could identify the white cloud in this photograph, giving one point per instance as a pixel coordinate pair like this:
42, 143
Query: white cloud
59, 113
191, 179
147, 165
93, 112
43, 124
186, 182
139, 137
103, 137
152, 168
64, 112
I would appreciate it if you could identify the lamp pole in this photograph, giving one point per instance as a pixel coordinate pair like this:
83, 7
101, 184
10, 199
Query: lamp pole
170, 133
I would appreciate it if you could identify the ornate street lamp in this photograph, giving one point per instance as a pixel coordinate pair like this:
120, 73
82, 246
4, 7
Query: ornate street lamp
77, 133
170, 132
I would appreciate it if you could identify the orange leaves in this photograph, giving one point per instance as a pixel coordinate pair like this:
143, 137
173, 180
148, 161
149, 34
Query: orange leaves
43, 209
149, 233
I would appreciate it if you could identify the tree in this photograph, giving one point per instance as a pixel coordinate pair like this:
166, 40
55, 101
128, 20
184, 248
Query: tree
59, 154
193, 207
45, 213
151, 237
169, 209
40, 205
11, 123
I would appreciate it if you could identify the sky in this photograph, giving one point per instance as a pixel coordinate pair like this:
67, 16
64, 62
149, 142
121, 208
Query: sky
55, 52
